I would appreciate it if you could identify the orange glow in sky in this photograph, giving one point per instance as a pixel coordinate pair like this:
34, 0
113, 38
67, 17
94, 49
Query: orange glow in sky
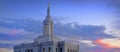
104, 44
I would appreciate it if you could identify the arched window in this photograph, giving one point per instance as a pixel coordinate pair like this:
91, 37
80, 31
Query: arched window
28, 50
68, 50
51, 28
45, 28
56, 49
31, 50
49, 49
43, 49
19, 50
60, 49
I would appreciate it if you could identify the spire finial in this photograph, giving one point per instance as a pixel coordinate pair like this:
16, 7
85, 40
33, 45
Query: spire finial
48, 4
48, 10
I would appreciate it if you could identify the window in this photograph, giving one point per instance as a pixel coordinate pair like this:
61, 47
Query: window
28, 50
68, 50
49, 49
56, 49
31, 50
60, 49
43, 49
51, 28
45, 27
19, 50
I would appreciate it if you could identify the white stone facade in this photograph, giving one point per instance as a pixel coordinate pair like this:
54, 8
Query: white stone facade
47, 42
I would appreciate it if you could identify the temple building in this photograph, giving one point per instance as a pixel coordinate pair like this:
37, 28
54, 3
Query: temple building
47, 42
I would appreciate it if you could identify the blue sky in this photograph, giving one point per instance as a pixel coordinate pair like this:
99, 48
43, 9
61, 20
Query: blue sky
81, 11
21, 20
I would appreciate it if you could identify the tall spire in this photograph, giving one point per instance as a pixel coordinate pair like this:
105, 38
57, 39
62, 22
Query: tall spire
48, 23
48, 10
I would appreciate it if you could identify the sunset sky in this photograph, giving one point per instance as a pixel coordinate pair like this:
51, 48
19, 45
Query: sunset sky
93, 24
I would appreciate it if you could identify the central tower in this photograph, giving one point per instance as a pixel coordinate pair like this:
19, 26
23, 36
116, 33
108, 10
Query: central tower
47, 42
48, 24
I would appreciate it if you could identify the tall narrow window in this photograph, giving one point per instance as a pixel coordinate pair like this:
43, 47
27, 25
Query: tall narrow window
45, 28
51, 28
43, 49
56, 49
60, 49
31, 50
19, 50
49, 49
68, 50
28, 50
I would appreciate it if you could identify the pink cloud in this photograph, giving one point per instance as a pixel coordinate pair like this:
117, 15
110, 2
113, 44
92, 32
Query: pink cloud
104, 44
13, 32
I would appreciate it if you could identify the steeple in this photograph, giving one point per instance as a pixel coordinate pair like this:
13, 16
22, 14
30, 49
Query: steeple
47, 29
48, 24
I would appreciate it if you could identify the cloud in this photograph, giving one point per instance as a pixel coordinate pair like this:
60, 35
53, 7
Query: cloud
116, 5
86, 32
5, 50
16, 34
25, 30
15, 42
77, 40
90, 43
108, 43
31, 26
